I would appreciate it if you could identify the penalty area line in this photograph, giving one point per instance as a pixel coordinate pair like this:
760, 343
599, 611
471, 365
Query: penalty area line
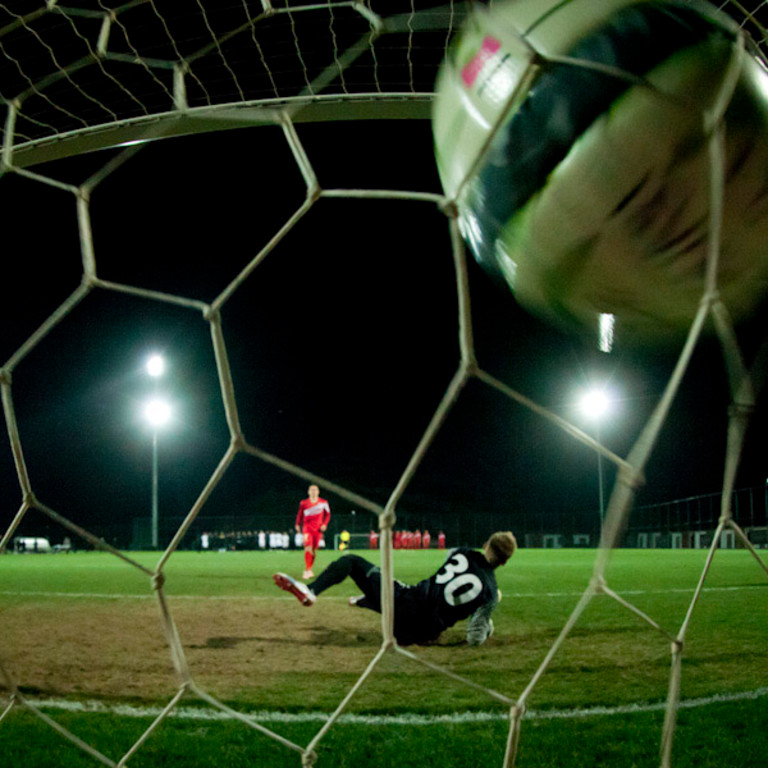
209, 714
509, 595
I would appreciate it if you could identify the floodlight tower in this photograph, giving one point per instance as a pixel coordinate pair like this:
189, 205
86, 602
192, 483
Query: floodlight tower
157, 412
595, 404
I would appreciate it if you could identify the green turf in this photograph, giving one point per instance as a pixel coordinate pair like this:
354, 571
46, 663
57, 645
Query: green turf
611, 658
720, 736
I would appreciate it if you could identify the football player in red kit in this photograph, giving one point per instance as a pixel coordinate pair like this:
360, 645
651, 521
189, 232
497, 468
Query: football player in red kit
312, 521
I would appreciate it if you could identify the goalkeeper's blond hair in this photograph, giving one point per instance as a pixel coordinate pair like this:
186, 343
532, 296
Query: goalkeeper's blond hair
500, 547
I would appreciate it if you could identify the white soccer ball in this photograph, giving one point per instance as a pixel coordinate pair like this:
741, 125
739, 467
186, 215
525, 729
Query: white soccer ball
593, 197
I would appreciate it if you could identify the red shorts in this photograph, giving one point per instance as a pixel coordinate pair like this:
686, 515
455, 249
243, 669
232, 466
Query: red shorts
312, 538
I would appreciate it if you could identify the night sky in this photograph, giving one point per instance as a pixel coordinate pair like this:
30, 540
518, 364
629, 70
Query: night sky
341, 343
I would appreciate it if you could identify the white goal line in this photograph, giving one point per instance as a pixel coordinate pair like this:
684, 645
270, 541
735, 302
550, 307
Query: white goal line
207, 714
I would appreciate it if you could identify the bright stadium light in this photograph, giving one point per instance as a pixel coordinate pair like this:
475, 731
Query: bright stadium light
157, 412
155, 365
595, 404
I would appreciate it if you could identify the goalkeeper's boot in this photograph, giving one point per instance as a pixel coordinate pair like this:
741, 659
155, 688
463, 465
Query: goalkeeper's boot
300, 591
358, 601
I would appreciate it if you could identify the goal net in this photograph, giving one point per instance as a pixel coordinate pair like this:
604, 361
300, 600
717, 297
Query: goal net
97, 97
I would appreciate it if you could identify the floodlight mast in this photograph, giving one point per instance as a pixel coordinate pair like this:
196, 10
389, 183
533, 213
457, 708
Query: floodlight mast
596, 404
157, 412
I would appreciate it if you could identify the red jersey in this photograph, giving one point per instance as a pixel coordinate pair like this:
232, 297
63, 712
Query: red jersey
312, 516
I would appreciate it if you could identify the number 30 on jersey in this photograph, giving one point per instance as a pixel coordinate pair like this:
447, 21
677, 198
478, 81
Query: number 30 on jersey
460, 587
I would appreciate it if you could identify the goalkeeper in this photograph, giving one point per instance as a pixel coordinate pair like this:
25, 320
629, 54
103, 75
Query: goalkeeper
463, 588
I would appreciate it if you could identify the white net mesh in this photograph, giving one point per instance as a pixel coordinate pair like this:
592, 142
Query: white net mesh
92, 76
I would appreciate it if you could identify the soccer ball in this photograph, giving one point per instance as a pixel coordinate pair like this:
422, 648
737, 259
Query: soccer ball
575, 139
344, 536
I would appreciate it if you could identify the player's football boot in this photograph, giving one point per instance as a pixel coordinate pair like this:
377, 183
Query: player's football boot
300, 591
307, 575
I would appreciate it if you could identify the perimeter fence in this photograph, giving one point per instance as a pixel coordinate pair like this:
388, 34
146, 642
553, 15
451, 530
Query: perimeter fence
681, 523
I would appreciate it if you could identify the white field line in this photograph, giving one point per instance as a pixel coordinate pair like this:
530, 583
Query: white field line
507, 595
207, 714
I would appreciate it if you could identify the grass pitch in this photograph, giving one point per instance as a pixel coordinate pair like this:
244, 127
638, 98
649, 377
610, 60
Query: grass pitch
83, 630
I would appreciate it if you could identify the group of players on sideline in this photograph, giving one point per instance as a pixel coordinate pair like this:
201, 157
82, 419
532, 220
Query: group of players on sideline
464, 587
221, 541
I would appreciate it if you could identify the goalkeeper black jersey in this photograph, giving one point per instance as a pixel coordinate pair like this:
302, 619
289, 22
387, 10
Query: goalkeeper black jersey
464, 583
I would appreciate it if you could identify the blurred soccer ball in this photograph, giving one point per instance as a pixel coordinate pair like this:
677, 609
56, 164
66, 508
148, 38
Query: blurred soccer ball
593, 197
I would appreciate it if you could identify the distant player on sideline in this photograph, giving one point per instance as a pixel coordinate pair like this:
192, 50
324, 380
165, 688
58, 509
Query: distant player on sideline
464, 588
311, 521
